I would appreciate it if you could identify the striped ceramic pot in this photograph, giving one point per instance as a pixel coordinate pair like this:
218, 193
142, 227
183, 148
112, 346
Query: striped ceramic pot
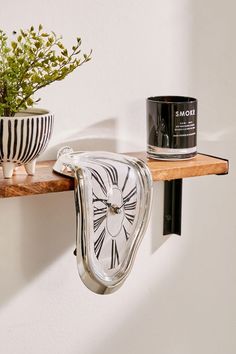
23, 138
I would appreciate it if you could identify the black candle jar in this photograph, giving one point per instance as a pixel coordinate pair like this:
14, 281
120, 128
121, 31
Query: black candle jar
172, 127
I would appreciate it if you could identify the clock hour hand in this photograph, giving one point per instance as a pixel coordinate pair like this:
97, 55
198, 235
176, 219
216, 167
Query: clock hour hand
116, 209
104, 201
113, 208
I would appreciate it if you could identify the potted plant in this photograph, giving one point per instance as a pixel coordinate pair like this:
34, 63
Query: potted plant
32, 60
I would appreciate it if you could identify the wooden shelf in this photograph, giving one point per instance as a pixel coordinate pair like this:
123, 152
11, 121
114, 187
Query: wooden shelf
46, 181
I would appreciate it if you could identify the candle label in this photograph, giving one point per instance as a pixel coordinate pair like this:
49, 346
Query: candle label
184, 129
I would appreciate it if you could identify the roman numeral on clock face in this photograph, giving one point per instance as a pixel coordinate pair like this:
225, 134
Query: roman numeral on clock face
102, 200
130, 218
130, 206
126, 179
98, 222
126, 233
99, 211
99, 180
130, 194
114, 255
112, 172
99, 243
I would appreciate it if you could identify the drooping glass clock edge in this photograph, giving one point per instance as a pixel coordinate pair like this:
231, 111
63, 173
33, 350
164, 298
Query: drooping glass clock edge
66, 166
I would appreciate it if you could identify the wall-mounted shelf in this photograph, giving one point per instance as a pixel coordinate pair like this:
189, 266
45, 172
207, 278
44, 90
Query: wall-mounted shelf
46, 181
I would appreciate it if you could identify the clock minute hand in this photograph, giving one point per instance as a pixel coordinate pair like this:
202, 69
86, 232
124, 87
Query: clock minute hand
122, 205
116, 209
127, 200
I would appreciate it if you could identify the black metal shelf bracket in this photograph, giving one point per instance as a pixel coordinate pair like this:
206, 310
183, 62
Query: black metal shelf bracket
172, 207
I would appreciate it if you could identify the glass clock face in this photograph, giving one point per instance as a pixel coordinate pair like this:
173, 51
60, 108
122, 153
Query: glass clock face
113, 200
113, 215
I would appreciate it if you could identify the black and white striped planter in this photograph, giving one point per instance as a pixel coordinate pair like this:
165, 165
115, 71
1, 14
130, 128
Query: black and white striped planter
23, 138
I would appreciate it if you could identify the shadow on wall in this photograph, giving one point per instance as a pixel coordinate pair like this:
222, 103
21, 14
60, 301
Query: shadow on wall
156, 220
99, 136
44, 226
49, 233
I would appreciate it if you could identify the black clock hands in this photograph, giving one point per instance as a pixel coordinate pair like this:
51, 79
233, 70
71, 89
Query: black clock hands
127, 199
104, 201
114, 208
112, 198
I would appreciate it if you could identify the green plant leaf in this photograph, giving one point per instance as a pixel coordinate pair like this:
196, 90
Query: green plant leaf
34, 60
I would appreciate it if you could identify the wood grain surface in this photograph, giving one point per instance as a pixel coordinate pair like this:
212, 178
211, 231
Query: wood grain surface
44, 181
47, 181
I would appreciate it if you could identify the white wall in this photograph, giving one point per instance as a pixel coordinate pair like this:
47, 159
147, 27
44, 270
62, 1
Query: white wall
180, 297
